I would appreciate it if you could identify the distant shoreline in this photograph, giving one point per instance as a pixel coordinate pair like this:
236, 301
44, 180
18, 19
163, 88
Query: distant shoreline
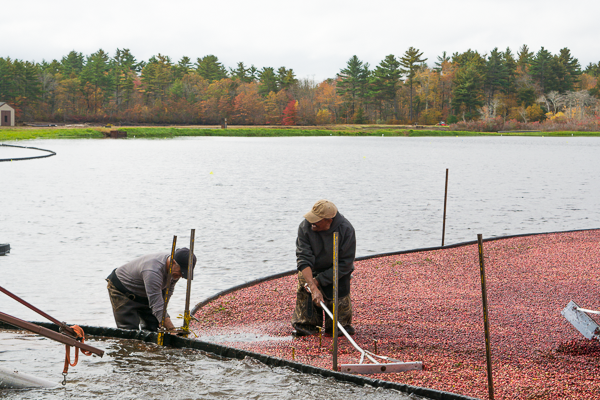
97, 132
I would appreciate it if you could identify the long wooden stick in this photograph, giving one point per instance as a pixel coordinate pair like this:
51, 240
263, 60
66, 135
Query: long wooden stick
486, 325
161, 331
190, 273
336, 239
59, 337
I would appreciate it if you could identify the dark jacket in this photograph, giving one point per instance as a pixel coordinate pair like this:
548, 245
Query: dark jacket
315, 250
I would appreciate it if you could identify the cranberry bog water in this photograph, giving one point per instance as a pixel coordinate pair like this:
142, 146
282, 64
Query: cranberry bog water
426, 306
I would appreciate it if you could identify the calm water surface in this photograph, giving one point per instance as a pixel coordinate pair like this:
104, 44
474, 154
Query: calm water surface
72, 218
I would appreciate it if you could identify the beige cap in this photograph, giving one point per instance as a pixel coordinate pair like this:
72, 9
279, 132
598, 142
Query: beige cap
321, 209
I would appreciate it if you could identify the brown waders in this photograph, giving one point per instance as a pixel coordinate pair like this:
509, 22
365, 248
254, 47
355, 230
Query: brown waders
129, 310
307, 316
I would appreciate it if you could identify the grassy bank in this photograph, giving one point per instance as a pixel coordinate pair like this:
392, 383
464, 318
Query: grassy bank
8, 134
49, 133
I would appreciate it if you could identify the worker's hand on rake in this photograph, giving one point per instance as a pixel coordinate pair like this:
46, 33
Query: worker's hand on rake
313, 289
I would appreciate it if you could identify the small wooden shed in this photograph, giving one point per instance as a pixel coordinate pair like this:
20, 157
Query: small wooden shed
7, 115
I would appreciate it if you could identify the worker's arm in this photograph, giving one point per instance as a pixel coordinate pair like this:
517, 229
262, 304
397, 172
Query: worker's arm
153, 284
317, 296
305, 260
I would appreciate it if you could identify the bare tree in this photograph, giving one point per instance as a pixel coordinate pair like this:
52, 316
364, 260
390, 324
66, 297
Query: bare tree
523, 113
556, 99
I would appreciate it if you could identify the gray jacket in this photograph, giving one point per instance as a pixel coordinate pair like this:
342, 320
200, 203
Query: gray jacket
315, 250
146, 276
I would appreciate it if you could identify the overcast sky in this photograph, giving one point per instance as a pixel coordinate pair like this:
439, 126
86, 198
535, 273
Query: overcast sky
314, 38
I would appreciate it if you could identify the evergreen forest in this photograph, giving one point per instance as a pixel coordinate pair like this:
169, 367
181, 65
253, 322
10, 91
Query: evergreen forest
490, 91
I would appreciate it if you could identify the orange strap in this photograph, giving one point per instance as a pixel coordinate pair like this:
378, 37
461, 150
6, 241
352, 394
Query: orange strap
81, 338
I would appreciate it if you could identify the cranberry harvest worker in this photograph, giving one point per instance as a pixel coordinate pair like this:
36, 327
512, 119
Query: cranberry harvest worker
314, 255
137, 289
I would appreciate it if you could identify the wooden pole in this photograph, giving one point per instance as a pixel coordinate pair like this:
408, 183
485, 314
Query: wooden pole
186, 315
445, 198
486, 325
161, 329
336, 238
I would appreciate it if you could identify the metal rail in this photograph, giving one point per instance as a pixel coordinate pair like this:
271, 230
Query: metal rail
63, 326
59, 337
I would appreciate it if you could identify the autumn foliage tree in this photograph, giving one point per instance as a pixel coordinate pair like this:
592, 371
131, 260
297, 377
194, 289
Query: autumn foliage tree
289, 113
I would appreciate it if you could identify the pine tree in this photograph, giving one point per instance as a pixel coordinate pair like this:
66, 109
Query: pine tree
385, 81
72, 64
243, 74
210, 68
511, 70
96, 79
268, 81
353, 82
440, 62
467, 93
524, 58
157, 78
496, 75
123, 67
410, 62
183, 67
567, 71
286, 78
540, 68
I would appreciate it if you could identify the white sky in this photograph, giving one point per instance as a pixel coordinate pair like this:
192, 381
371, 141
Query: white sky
315, 38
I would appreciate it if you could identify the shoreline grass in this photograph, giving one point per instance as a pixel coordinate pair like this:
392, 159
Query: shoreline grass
28, 133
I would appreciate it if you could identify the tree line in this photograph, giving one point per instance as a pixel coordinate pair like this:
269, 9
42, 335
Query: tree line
527, 86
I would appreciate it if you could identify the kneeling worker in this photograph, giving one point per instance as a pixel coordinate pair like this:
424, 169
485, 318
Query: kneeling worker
314, 254
137, 289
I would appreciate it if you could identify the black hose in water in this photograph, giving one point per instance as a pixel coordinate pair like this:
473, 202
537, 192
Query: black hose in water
27, 158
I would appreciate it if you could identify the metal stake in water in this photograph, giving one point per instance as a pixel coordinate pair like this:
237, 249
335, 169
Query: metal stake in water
186, 315
161, 332
336, 238
444, 220
486, 325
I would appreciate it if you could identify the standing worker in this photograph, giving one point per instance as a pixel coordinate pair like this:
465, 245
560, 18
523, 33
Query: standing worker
137, 289
314, 255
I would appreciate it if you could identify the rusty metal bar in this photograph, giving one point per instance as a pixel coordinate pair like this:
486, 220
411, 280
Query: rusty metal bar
186, 315
336, 240
486, 325
445, 198
161, 333
62, 325
50, 334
